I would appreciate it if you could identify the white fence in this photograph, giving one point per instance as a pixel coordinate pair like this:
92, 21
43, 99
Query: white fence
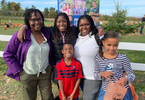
122, 45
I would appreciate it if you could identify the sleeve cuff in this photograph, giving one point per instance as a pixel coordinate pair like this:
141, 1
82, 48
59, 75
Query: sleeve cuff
16, 72
57, 78
80, 77
99, 27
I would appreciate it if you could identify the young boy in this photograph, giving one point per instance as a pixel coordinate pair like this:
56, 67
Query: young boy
68, 73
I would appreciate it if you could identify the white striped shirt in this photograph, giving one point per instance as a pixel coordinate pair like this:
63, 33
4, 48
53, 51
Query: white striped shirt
117, 66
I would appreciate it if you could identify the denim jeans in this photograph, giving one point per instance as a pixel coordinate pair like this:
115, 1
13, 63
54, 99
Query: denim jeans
141, 29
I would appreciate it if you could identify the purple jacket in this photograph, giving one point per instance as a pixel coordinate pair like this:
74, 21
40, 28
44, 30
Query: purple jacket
15, 53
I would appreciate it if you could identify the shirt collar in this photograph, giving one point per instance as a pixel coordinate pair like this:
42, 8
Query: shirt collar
46, 34
72, 62
88, 35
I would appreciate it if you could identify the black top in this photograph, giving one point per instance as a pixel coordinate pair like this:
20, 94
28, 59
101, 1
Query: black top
57, 46
143, 19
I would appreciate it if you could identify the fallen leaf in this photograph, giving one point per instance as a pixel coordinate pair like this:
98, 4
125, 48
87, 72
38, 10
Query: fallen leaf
132, 58
5, 92
12, 96
2, 74
4, 97
13, 93
5, 87
8, 80
141, 94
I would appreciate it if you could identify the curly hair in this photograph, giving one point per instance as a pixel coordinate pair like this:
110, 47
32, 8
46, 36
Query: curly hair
69, 33
28, 14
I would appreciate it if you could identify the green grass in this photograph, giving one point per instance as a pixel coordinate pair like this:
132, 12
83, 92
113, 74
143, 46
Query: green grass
134, 56
22, 22
133, 38
8, 31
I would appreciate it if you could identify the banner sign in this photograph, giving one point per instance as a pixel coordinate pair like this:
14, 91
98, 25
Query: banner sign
75, 8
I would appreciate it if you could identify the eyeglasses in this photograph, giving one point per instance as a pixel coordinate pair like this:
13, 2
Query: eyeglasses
34, 20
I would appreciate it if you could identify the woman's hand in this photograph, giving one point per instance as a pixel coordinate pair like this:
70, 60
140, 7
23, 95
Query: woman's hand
21, 34
100, 31
106, 74
20, 73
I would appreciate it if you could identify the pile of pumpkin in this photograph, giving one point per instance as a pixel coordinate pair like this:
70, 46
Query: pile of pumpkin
14, 25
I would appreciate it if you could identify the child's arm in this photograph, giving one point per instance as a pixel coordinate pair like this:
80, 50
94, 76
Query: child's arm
127, 67
74, 90
61, 89
58, 77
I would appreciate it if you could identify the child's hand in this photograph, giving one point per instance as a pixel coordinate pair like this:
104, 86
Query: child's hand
122, 81
64, 98
106, 74
70, 97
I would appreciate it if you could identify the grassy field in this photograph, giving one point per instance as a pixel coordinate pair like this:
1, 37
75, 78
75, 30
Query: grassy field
10, 89
21, 21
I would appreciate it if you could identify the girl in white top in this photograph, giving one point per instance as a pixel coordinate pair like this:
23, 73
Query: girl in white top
86, 48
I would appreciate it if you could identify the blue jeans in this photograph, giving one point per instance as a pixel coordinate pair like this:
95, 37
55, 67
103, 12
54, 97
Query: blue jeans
141, 29
128, 95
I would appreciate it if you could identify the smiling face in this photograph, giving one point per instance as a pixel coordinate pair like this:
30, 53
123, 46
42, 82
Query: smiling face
84, 27
84, 4
94, 4
68, 51
111, 45
36, 22
68, 6
61, 23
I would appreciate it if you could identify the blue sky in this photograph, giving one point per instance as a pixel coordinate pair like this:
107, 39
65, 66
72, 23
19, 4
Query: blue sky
136, 7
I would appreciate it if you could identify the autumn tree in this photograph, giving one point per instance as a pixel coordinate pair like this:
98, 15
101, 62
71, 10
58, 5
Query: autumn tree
51, 8
45, 13
15, 6
3, 2
52, 14
33, 7
9, 6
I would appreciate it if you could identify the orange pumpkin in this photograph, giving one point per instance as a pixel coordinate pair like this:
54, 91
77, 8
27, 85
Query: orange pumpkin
121, 30
5, 26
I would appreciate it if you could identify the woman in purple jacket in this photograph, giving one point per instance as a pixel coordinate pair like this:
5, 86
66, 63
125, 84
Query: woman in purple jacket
30, 61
